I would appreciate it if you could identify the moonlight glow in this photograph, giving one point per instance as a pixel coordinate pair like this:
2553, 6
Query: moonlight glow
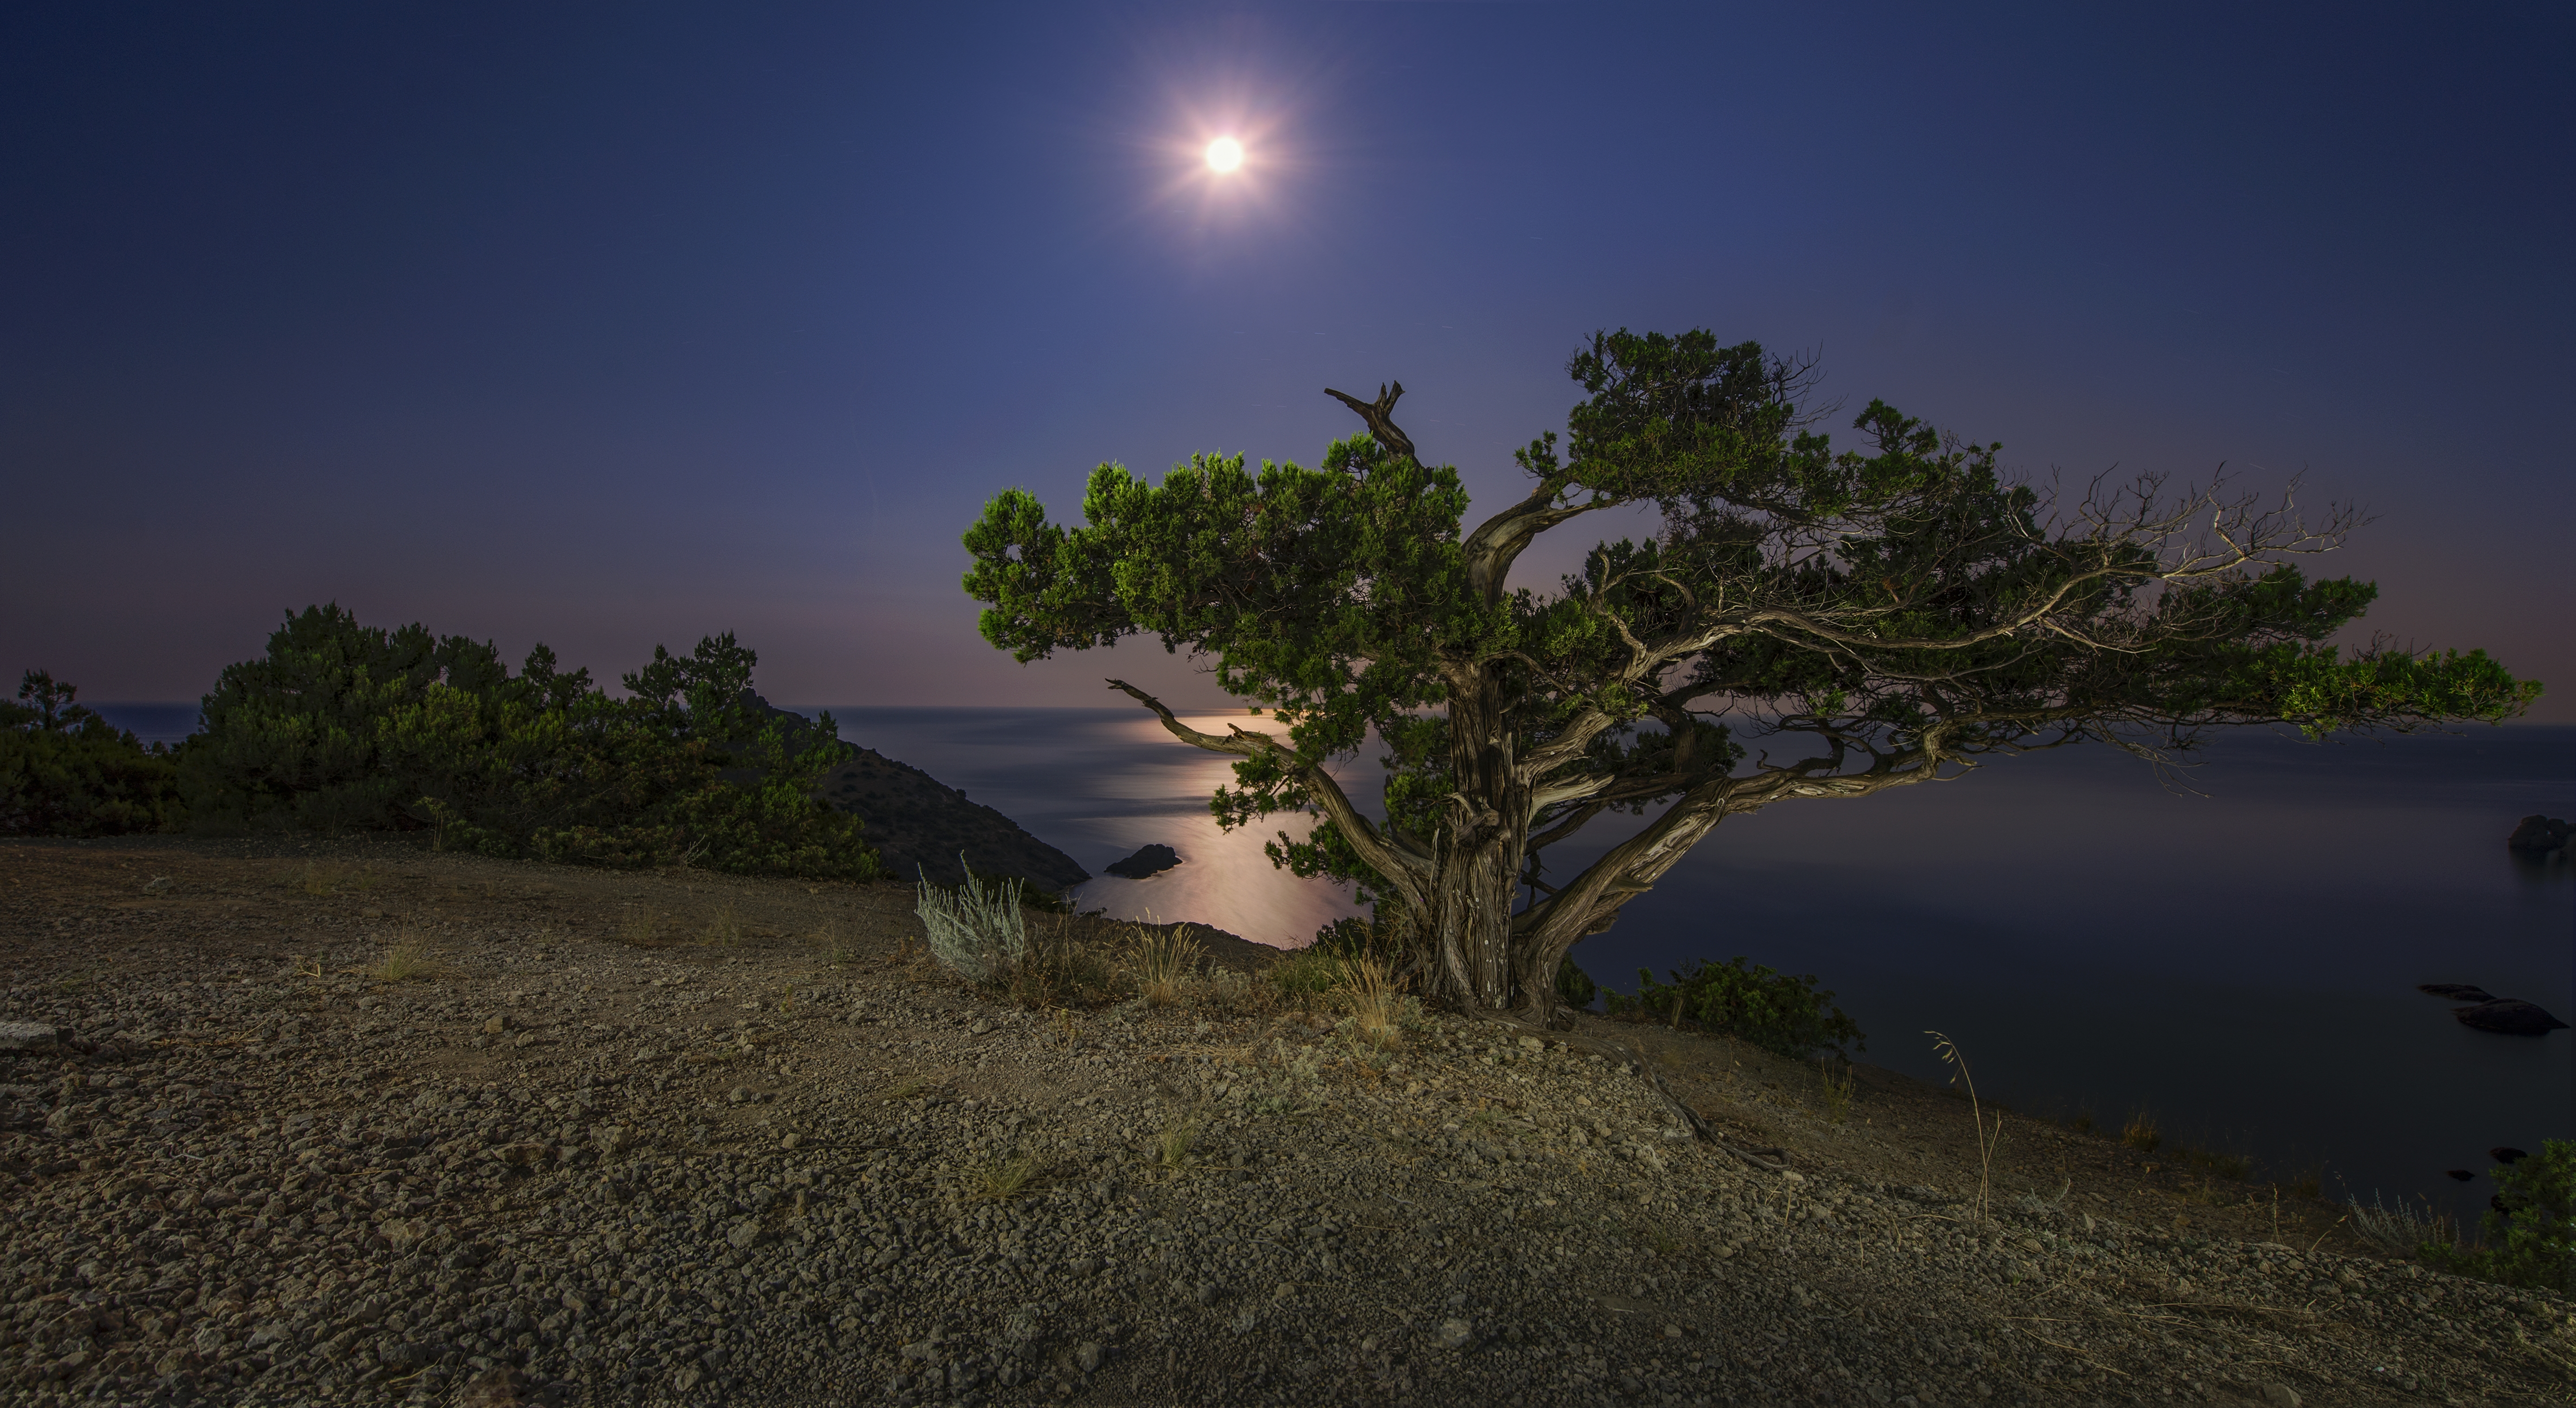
1224, 154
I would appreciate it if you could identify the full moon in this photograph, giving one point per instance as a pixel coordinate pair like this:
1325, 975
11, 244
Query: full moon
1224, 154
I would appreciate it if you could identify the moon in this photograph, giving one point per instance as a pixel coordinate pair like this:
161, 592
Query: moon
1224, 154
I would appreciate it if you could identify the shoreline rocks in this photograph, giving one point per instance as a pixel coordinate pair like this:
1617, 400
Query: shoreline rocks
2508, 1016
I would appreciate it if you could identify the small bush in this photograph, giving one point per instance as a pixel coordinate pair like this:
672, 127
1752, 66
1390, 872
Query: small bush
1574, 985
1305, 976
1775, 1011
1054, 967
2530, 1240
64, 771
975, 933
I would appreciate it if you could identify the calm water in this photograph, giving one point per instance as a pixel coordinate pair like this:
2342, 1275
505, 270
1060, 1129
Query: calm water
2242, 963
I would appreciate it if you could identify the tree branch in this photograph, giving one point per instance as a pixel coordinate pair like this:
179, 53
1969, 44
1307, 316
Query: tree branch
1390, 857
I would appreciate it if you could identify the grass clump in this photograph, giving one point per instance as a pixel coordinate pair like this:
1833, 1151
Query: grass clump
1779, 1012
1377, 1008
404, 959
725, 929
638, 927
1000, 1178
2403, 1230
1054, 967
975, 932
2142, 1133
1165, 959
2530, 1238
1307, 976
1838, 1088
1174, 1150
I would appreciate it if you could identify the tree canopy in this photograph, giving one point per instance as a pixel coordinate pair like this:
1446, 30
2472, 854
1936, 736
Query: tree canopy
1900, 607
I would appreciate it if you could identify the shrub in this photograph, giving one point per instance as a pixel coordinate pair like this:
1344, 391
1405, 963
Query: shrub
2530, 1237
341, 725
1574, 985
975, 933
64, 771
1775, 1011
1305, 975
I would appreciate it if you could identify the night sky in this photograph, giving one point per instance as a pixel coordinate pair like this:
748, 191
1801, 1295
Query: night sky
633, 324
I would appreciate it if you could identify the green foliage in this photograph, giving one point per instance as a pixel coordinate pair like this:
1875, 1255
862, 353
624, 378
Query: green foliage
1895, 610
64, 771
341, 725
1574, 985
1775, 1011
2531, 1240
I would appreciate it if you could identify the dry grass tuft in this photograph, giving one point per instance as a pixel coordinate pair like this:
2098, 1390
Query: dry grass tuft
2142, 1133
725, 930
1950, 1055
2404, 1229
1174, 1150
1839, 1086
1376, 1005
1000, 1178
406, 958
638, 927
1165, 960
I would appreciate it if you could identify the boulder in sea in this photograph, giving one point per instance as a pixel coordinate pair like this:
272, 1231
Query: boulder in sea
2510, 1016
2507, 1154
1148, 860
2457, 992
2539, 834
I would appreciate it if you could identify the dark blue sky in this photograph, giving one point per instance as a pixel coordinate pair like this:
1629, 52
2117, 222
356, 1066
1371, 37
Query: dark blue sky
627, 325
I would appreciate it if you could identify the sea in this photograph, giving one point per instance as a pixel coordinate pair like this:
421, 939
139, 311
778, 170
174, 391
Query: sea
2231, 949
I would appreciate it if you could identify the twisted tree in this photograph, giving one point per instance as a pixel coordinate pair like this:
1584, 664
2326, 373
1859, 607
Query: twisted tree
1904, 608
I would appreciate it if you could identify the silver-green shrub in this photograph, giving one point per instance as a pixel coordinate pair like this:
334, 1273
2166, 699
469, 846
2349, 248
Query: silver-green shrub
976, 933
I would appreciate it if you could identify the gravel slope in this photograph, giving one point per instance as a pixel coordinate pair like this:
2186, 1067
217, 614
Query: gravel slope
572, 1169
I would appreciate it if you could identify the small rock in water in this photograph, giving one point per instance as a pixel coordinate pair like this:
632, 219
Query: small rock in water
2459, 1173
2539, 834
1148, 860
2456, 992
2510, 1016
2507, 1154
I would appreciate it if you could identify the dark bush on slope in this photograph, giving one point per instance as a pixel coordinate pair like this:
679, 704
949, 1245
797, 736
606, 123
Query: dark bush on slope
341, 725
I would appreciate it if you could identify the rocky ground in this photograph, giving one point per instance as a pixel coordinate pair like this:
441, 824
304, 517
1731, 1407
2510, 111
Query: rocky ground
680, 1138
